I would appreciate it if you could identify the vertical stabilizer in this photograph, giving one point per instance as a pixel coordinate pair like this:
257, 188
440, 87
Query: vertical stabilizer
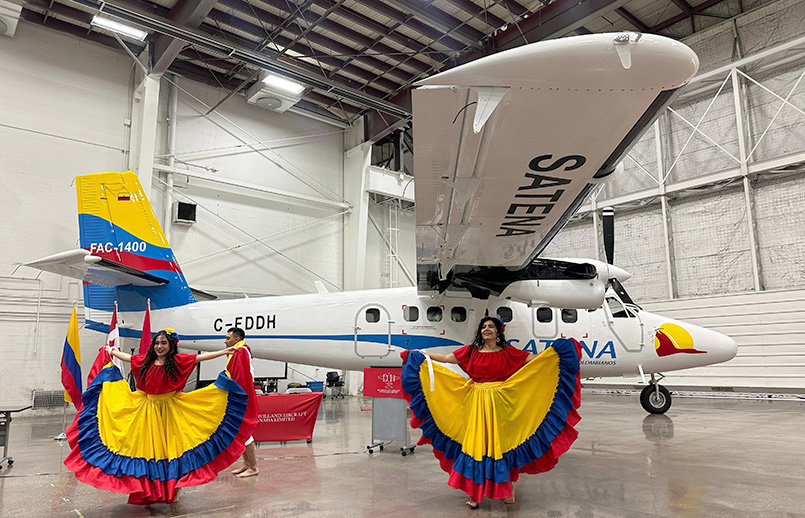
116, 222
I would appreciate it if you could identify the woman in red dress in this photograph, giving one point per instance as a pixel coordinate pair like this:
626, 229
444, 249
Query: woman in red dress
516, 415
152, 442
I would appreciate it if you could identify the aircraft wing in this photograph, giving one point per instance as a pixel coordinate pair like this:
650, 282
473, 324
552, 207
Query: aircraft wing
81, 264
506, 148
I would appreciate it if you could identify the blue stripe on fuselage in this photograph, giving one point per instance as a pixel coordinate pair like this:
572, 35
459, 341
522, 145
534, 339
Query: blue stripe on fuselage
397, 340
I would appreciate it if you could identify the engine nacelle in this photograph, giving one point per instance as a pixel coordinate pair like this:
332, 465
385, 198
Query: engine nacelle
558, 293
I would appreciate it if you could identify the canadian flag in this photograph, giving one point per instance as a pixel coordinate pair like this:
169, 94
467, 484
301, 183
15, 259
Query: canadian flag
104, 358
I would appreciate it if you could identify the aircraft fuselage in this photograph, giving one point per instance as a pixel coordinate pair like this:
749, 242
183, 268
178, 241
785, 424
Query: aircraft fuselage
354, 330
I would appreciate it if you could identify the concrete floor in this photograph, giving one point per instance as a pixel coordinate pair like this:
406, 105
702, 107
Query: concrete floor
705, 458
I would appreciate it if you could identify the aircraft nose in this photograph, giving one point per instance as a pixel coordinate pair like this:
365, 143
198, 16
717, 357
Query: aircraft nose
721, 346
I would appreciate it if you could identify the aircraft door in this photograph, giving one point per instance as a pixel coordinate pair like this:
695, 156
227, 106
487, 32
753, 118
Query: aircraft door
624, 322
546, 323
372, 331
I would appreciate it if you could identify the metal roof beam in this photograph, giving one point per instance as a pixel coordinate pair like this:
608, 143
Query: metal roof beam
632, 19
31, 14
683, 6
552, 21
164, 49
215, 44
319, 39
479, 13
206, 76
389, 32
676, 19
351, 34
444, 22
413, 24
515, 8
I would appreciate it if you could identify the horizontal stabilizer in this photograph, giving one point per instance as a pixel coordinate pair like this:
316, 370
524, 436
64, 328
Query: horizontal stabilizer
81, 264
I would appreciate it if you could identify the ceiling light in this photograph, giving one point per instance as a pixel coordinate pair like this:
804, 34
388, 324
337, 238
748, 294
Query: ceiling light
118, 27
283, 84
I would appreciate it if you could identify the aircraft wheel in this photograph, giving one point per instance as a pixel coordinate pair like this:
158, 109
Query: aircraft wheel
653, 402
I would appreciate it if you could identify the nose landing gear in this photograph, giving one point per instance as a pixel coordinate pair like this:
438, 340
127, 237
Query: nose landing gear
655, 398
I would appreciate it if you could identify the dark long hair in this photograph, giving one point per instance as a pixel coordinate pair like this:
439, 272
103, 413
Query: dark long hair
170, 360
478, 341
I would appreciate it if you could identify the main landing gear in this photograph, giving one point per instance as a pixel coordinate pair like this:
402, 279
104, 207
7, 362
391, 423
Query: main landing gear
655, 398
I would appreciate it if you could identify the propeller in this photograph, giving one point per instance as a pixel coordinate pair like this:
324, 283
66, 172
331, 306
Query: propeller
608, 222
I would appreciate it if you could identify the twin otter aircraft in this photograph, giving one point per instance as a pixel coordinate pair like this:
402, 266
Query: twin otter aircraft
506, 149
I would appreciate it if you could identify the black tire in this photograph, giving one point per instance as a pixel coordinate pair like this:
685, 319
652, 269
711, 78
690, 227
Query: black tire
403, 453
655, 403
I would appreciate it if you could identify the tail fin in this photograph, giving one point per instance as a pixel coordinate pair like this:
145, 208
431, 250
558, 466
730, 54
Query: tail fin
117, 223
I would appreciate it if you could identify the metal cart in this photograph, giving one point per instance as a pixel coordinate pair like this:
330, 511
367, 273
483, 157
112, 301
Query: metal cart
390, 423
5, 425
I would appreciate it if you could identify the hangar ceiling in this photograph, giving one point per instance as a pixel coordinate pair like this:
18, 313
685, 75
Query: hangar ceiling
356, 57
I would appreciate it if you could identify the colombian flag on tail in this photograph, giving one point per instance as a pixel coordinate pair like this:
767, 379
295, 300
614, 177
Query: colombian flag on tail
71, 364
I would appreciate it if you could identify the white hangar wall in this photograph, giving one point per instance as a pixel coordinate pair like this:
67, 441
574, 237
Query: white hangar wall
710, 207
248, 241
65, 110
63, 107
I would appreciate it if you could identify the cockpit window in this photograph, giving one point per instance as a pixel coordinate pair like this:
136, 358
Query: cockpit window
505, 314
617, 309
544, 315
569, 316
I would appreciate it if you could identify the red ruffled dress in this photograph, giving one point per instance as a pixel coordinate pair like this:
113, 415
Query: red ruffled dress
152, 441
495, 366
508, 419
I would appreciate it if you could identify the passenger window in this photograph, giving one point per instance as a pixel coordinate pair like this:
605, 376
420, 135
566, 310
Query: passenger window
411, 313
458, 314
617, 309
569, 316
544, 315
505, 314
372, 315
434, 314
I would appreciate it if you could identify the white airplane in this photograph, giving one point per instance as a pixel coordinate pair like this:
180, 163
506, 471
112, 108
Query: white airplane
506, 150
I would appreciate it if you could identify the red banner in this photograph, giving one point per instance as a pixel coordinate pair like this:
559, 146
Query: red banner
286, 417
383, 382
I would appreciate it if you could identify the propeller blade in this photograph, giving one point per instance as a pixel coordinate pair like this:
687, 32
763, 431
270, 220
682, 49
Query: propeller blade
608, 221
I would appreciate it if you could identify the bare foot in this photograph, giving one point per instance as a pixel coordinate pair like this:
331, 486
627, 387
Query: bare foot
248, 473
508, 500
472, 504
239, 470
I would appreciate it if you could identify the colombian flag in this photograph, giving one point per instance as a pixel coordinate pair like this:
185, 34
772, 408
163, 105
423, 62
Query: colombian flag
71, 364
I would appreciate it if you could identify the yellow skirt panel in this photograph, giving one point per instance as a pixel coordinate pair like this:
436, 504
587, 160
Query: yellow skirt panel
133, 426
489, 419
